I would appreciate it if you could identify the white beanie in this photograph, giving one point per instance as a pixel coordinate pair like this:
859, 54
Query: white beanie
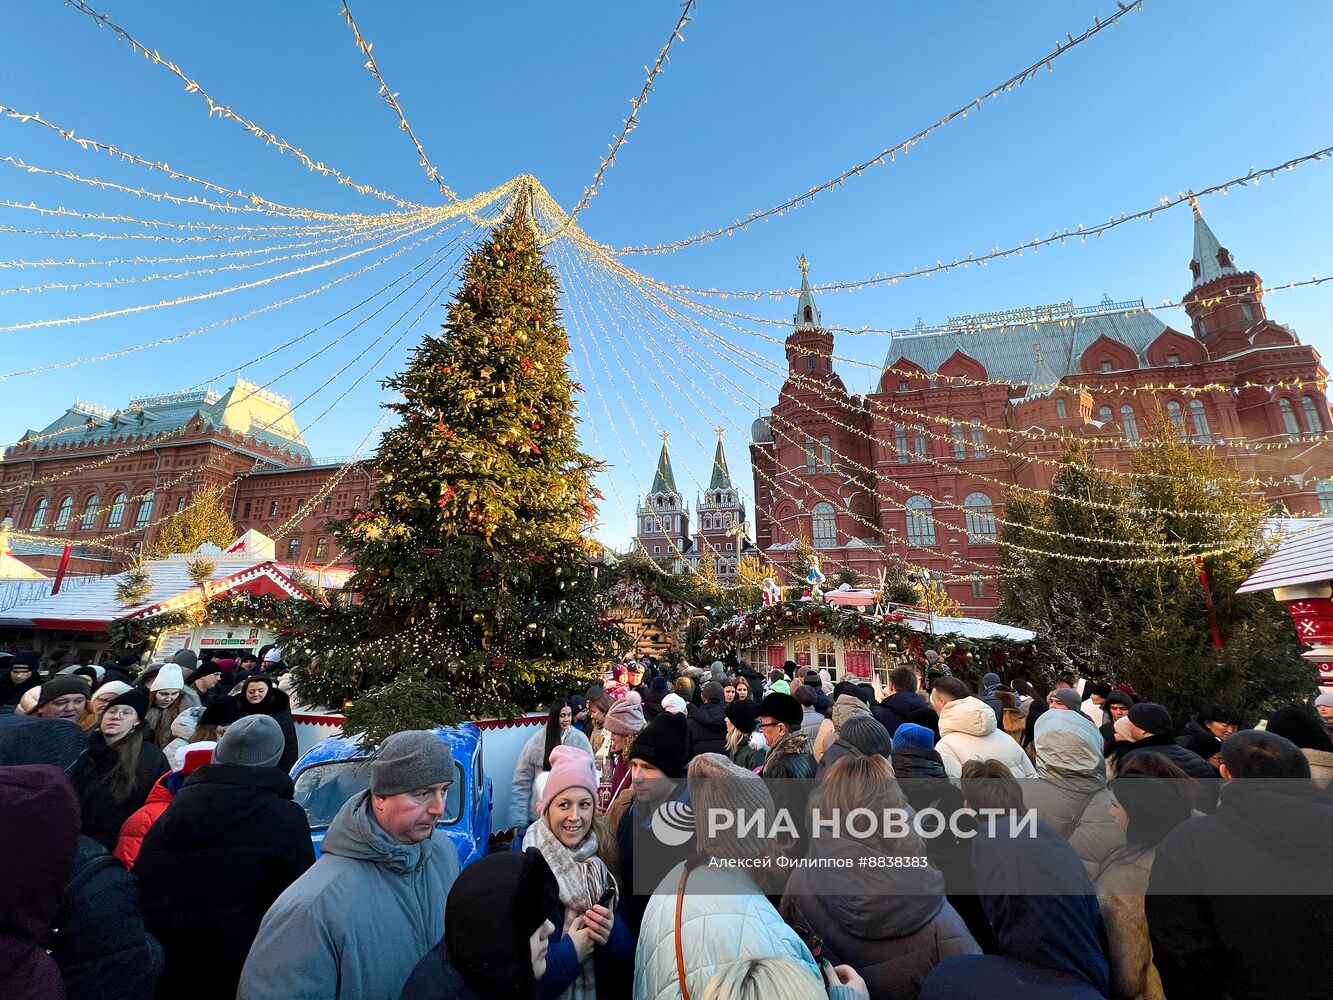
674, 703
274, 655
113, 688
169, 678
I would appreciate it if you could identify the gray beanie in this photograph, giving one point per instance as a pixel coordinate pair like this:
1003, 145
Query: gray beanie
410, 760
867, 735
255, 740
716, 783
186, 659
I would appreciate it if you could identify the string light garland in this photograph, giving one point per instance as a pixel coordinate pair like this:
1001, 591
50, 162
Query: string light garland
1073, 557
635, 106
680, 392
223, 111
95, 146
391, 98
890, 154
229, 321
933, 418
953, 468
1080, 233
203, 296
575, 316
193, 201
323, 246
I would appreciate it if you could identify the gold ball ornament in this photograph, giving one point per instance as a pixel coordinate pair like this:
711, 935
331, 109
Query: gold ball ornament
478, 618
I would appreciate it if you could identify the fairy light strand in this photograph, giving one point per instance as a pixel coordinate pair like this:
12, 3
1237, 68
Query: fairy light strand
223, 111
890, 154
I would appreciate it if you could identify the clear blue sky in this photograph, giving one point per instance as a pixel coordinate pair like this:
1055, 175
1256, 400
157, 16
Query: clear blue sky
761, 101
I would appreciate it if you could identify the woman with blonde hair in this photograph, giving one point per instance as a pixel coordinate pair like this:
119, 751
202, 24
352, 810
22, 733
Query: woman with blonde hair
782, 979
890, 921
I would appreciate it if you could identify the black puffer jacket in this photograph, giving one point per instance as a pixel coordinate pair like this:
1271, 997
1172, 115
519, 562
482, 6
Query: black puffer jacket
228, 845
1188, 761
278, 707
707, 728
100, 943
1231, 892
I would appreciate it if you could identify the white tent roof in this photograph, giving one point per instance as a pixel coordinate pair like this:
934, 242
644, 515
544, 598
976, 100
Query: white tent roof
974, 628
1306, 558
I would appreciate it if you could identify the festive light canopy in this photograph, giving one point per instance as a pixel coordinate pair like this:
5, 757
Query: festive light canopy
630, 331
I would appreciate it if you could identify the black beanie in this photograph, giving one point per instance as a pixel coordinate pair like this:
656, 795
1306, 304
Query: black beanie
136, 698
782, 708
743, 714
663, 743
1152, 718
222, 712
494, 907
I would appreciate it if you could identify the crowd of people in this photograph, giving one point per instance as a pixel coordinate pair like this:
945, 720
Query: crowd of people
1093, 847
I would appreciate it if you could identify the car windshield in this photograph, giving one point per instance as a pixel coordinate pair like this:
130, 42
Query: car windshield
322, 789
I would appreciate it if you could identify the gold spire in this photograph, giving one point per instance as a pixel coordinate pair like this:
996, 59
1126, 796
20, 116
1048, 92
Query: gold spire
804, 265
1194, 204
665, 435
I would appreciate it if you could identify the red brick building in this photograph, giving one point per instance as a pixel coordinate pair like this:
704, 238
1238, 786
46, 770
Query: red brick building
94, 472
920, 468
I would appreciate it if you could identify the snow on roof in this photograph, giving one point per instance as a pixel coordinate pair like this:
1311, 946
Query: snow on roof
1304, 558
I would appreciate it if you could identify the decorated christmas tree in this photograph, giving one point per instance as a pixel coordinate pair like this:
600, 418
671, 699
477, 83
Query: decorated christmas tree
476, 592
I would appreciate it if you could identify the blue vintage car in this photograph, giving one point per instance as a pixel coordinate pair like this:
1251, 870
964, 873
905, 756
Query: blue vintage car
336, 768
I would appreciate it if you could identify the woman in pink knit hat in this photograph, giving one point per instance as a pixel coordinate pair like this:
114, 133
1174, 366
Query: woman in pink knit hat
623, 722
580, 850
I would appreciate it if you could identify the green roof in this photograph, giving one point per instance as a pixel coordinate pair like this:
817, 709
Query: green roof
664, 481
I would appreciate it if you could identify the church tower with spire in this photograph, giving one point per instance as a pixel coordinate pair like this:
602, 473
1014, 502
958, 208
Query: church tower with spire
721, 534
1225, 304
664, 518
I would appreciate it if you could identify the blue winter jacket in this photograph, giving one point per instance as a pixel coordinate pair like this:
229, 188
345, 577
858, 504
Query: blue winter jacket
356, 924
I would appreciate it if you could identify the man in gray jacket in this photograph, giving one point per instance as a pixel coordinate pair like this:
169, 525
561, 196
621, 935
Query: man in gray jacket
355, 925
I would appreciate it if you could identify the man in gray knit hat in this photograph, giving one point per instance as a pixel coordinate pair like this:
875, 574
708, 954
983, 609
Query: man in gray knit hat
356, 924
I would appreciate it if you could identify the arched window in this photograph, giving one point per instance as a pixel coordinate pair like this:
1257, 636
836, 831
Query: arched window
322, 548
978, 439
810, 464
89, 514
1060, 410
180, 504
980, 516
62, 514
1313, 421
1289, 423
959, 443
919, 441
809, 314
900, 444
920, 521
1104, 414
1202, 434
810, 362
1325, 493
117, 515
1129, 423
978, 587
826, 453
293, 549
39, 515
145, 512
1177, 417
823, 526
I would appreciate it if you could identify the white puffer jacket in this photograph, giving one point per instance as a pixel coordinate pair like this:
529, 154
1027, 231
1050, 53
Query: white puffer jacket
968, 732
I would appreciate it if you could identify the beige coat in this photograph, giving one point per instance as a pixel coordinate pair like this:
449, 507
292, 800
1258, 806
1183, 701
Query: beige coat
1321, 766
1120, 889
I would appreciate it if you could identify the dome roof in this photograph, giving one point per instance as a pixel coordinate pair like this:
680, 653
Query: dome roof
761, 432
